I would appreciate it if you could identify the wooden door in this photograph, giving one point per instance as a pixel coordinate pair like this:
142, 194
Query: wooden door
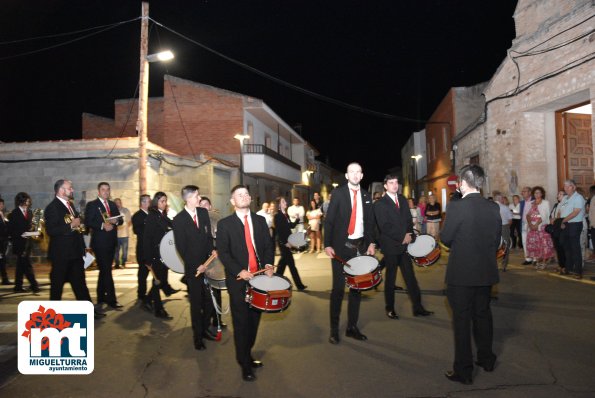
578, 150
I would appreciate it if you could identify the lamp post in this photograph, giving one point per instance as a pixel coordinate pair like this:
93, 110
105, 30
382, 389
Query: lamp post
241, 138
416, 157
143, 95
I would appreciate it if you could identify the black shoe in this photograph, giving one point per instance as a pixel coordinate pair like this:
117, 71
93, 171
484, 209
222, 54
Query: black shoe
354, 332
392, 314
116, 267
487, 368
334, 339
20, 290
398, 288
115, 305
99, 314
147, 306
248, 374
452, 376
162, 313
169, 292
526, 262
422, 312
199, 345
209, 336
302, 288
35, 289
7, 282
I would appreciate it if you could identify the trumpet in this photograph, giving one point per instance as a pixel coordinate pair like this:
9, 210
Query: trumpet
37, 223
81, 229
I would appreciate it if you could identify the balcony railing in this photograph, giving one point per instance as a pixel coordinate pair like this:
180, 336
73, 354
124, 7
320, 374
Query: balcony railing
264, 150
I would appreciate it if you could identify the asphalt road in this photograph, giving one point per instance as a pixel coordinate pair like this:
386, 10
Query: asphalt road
544, 339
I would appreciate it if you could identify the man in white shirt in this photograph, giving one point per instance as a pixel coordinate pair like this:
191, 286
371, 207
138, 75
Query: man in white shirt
297, 212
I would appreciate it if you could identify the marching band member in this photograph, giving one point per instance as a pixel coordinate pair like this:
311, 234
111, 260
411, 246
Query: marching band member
244, 245
19, 222
194, 242
282, 231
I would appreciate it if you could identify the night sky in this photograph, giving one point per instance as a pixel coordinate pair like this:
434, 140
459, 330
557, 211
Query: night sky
390, 56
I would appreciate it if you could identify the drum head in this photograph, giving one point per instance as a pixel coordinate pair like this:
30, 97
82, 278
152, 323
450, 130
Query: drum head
297, 239
215, 270
265, 284
169, 254
361, 265
423, 245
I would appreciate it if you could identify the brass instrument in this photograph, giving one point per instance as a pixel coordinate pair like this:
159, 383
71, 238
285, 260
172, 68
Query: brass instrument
37, 222
81, 229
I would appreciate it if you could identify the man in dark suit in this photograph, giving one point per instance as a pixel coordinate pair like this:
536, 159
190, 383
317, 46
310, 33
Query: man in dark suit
244, 245
395, 225
100, 218
19, 222
3, 243
194, 242
66, 248
349, 226
472, 230
138, 227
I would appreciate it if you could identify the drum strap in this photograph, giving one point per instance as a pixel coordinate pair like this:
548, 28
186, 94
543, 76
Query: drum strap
219, 310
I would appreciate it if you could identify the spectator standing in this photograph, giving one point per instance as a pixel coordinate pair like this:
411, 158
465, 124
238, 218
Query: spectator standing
515, 228
526, 194
433, 217
506, 216
421, 205
539, 243
314, 216
296, 214
573, 216
123, 234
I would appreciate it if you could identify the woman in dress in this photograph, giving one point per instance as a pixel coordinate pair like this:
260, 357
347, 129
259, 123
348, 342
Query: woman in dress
539, 243
314, 215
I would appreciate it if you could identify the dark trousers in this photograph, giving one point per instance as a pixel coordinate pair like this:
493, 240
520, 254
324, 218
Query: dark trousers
338, 291
287, 260
154, 295
201, 304
571, 240
245, 322
24, 268
402, 261
515, 233
3, 273
560, 253
106, 291
471, 309
71, 271
143, 272
592, 235
121, 248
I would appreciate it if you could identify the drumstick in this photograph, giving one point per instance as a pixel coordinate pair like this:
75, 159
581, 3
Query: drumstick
258, 272
339, 259
209, 261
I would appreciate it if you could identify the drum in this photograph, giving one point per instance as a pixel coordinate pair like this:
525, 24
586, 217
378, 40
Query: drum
298, 240
424, 250
501, 249
215, 275
269, 294
362, 273
169, 254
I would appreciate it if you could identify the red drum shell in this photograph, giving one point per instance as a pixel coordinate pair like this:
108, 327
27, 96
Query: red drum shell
275, 298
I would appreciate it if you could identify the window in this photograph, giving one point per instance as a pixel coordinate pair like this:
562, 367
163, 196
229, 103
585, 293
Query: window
268, 142
474, 159
250, 131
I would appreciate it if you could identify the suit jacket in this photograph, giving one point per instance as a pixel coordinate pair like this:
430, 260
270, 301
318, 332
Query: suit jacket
231, 244
393, 224
472, 229
3, 235
17, 225
283, 227
156, 226
94, 220
138, 227
338, 215
194, 244
65, 244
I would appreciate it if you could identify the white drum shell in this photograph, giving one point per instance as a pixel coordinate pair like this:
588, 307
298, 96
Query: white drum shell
423, 245
169, 254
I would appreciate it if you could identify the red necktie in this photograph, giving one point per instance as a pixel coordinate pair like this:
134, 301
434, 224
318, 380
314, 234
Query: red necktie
26, 214
195, 221
351, 228
252, 263
397, 201
109, 214
70, 208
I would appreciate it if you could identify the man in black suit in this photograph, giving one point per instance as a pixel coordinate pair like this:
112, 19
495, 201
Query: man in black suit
66, 248
3, 243
244, 245
472, 230
19, 222
194, 242
395, 225
349, 226
100, 218
138, 226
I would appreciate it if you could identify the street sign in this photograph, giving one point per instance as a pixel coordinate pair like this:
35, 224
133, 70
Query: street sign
452, 182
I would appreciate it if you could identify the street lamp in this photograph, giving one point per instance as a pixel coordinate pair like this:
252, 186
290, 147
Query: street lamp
241, 138
416, 157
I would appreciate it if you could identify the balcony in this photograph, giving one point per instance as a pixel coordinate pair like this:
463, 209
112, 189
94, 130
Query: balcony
264, 162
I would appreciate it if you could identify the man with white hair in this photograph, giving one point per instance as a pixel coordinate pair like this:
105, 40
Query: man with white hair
506, 216
573, 215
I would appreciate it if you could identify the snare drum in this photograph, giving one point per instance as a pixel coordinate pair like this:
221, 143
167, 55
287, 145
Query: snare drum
424, 250
169, 254
298, 240
269, 294
215, 275
362, 273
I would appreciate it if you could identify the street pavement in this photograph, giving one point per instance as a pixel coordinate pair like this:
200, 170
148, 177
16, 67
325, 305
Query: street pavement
544, 337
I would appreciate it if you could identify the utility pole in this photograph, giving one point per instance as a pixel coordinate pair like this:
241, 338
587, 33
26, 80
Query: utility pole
143, 99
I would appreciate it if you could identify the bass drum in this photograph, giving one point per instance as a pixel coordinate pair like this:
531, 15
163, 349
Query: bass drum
424, 251
169, 254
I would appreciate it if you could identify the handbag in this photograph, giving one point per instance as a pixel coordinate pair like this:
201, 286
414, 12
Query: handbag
554, 229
